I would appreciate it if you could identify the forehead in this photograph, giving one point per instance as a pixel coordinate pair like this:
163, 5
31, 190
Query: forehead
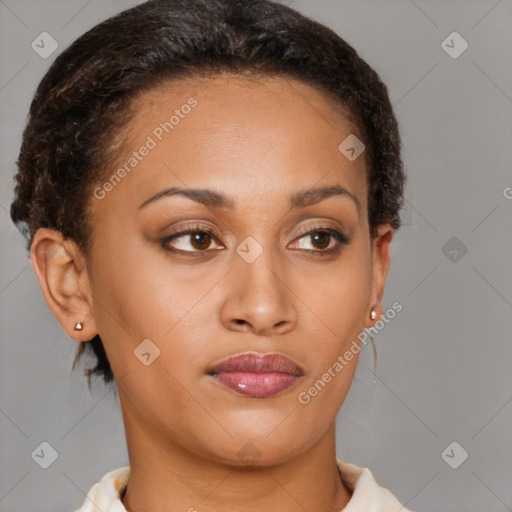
240, 96
270, 133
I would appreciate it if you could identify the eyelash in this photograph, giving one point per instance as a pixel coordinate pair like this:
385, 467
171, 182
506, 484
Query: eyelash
190, 230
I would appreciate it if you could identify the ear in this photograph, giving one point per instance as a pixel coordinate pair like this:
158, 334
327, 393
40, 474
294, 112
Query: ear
381, 263
62, 274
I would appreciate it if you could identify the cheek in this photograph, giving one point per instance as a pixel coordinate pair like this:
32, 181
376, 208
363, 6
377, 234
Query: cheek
339, 300
138, 296
338, 295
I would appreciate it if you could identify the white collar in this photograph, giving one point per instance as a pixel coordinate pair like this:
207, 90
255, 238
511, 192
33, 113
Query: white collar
367, 495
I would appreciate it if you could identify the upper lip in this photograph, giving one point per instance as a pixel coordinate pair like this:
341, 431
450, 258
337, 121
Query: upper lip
257, 363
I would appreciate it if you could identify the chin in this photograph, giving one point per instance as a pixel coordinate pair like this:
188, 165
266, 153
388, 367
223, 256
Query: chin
256, 451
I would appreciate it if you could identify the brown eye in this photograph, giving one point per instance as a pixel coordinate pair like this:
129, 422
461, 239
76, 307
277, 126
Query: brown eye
201, 241
190, 240
321, 241
322, 238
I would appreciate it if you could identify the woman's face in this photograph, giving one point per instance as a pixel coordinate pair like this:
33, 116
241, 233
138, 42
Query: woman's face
270, 279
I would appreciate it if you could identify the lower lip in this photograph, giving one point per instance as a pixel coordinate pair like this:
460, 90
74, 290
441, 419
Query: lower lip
256, 385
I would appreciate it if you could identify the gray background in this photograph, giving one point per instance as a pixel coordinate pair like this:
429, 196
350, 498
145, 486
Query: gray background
443, 369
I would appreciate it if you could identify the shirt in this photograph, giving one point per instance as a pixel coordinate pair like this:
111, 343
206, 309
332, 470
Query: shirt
367, 495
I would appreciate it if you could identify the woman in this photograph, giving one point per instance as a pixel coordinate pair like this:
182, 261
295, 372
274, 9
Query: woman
209, 190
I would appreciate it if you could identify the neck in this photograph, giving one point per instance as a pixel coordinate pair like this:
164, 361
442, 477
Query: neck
164, 476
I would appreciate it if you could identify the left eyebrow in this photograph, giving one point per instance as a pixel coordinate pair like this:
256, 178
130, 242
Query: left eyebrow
213, 199
310, 196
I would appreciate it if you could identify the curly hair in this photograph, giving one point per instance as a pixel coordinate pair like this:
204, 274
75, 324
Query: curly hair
85, 98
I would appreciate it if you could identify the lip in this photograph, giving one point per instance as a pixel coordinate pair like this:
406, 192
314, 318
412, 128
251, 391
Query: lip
257, 375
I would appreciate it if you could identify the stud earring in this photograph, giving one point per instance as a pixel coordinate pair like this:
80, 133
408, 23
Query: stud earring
78, 326
373, 314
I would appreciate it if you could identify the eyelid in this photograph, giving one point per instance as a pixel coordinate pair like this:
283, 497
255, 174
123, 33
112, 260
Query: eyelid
340, 238
323, 225
336, 233
189, 230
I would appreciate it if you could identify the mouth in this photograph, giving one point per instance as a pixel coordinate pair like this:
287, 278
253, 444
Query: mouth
257, 375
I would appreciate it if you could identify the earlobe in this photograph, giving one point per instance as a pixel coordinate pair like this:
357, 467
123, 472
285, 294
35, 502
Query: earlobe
381, 265
61, 271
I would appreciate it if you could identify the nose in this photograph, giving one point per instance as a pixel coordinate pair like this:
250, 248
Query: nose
259, 298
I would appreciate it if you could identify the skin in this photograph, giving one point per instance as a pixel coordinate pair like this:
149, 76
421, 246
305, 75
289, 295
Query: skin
258, 141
